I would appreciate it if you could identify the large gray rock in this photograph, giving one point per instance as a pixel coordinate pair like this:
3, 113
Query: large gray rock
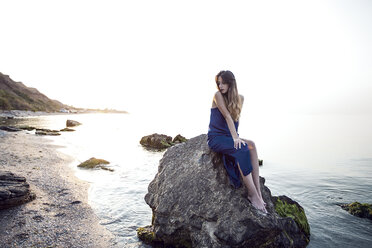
194, 205
14, 190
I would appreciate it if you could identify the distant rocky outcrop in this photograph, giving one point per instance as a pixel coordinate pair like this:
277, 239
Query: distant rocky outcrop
194, 205
95, 163
161, 141
362, 210
72, 123
14, 190
15, 95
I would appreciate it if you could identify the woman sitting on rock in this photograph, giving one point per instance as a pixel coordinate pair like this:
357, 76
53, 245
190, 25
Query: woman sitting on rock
239, 155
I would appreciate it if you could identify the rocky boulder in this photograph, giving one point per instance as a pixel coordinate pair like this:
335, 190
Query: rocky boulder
156, 141
362, 210
72, 123
95, 163
194, 205
14, 190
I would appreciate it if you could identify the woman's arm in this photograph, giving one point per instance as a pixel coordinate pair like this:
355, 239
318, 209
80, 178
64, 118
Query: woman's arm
218, 99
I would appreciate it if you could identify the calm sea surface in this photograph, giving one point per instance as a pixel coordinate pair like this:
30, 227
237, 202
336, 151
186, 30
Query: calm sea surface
318, 160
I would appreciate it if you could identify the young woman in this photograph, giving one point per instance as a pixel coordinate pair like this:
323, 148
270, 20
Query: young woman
239, 155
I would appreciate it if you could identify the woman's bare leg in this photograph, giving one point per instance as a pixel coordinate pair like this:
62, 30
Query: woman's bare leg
255, 167
253, 195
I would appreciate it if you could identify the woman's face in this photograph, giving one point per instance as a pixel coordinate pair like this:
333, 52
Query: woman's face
223, 87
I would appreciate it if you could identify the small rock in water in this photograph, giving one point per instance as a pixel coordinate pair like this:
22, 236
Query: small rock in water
362, 210
161, 141
43, 131
95, 163
72, 123
10, 129
156, 141
66, 129
28, 128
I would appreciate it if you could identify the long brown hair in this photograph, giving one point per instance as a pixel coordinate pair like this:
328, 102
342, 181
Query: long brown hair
231, 97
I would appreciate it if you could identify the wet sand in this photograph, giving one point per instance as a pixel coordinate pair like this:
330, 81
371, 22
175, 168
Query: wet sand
60, 215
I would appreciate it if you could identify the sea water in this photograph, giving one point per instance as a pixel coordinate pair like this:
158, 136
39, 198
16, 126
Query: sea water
320, 161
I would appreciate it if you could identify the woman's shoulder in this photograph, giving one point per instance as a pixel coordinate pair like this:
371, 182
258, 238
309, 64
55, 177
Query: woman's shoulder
218, 93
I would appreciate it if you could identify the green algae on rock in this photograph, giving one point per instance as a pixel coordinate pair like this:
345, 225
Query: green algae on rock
286, 207
156, 141
161, 141
95, 163
147, 235
179, 139
362, 210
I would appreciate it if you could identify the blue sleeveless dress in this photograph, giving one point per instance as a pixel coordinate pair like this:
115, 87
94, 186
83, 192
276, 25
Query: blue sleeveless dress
221, 141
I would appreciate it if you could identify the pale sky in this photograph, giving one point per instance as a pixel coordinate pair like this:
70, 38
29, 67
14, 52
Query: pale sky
287, 56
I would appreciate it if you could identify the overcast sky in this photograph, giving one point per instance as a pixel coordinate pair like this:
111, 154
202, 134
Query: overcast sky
287, 56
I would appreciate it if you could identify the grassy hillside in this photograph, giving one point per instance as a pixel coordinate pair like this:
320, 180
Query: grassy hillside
15, 95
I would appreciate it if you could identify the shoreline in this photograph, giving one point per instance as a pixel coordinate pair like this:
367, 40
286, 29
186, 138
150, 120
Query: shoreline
60, 216
26, 113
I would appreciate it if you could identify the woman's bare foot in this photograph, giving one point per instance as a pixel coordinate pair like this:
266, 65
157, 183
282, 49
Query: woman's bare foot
263, 202
257, 203
261, 198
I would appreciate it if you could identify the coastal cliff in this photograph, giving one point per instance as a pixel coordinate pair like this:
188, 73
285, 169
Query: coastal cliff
194, 205
15, 95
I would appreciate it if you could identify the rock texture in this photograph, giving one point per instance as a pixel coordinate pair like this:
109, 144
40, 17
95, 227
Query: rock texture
156, 141
194, 205
43, 131
66, 129
95, 163
179, 139
72, 123
14, 190
10, 129
161, 141
362, 210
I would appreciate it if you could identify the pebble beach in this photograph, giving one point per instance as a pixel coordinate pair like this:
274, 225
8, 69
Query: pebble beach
60, 215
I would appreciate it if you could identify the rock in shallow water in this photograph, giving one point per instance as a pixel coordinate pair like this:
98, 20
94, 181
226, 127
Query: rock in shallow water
95, 163
161, 141
14, 190
156, 141
362, 210
72, 123
10, 129
194, 205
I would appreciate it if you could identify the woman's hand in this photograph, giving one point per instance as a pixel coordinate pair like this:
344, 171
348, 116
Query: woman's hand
238, 143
